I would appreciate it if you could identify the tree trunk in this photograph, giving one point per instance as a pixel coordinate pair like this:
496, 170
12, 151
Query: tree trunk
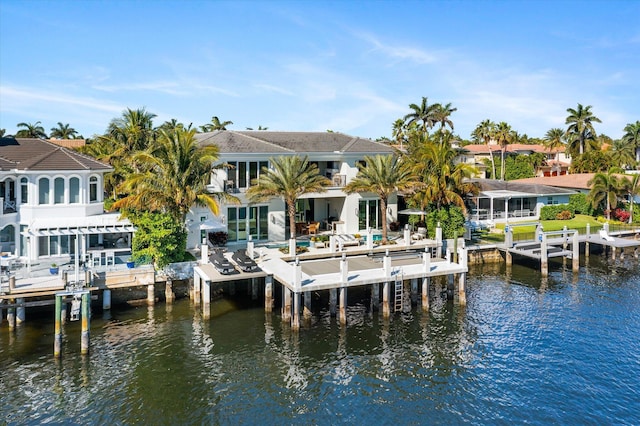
383, 219
291, 205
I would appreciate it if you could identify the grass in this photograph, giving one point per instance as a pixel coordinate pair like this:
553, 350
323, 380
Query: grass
579, 221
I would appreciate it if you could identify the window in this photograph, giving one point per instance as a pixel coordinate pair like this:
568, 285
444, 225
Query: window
368, 214
93, 189
58, 190
43, 191
24, 190
253, 219
244, 173
74, 190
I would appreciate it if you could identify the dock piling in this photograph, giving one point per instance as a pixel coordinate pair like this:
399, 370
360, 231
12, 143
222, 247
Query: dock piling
268, 293
57, 338
86, 319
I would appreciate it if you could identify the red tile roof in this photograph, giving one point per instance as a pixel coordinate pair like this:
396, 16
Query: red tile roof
39, 154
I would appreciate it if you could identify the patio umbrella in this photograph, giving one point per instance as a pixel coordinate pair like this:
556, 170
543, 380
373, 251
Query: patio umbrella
211, 226
412, 211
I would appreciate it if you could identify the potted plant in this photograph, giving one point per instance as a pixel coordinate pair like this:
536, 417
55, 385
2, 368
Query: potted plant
130, 263
53, 270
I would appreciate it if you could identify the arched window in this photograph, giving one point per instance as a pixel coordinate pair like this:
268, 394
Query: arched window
74, 190
24, 190
93, 189
43, 191
58, 190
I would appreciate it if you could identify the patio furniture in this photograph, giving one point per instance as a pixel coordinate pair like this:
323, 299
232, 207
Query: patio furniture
420, 235
312, 228
347, 240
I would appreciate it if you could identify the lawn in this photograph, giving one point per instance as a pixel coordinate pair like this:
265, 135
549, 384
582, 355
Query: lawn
580, 221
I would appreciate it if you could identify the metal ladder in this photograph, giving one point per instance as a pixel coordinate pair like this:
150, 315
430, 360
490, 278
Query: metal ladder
399, 290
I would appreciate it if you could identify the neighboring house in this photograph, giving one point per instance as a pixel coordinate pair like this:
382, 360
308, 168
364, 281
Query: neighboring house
247, 152
479, 155
502, 201
575, 181
51, 196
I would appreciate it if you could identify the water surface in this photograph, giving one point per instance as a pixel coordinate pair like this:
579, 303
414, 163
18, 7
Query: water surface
524, 350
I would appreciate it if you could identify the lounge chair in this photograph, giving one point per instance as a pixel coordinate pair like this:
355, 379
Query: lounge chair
221, 263
244, 262
347, 240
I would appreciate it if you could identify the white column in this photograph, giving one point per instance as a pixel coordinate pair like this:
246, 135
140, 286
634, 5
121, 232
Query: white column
106, 299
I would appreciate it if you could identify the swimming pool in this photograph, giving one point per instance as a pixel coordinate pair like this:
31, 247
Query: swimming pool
283, 245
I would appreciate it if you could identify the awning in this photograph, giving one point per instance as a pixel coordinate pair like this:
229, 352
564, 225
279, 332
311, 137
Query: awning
78, 231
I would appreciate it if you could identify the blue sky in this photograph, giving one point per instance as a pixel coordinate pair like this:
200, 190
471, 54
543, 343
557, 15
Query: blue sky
348, 66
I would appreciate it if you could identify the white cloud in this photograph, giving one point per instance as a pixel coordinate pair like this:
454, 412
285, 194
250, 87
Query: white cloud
400, 52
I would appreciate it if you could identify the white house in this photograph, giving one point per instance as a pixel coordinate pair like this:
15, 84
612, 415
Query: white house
51, 196
247, 152
503, 201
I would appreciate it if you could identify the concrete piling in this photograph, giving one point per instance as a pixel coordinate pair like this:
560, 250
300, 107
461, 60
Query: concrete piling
268, 293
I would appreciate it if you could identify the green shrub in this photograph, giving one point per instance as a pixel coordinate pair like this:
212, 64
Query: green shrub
580, 205
551, 212
451, 220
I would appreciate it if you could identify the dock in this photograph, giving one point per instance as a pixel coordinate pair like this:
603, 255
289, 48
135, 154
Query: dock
389, 267
566, 243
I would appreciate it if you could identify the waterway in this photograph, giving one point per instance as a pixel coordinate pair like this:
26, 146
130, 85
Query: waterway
565, 350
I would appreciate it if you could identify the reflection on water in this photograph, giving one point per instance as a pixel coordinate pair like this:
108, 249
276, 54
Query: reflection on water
561, 349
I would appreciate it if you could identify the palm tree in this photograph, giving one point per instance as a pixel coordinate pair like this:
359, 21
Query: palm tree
2, 132
633, 189
553, 141
174, 174
622, 153
35, 131
485, 132
632, 135
63, 131
607, 187
399, 132
580, 127
131, 132
504, 136
289, 178
383, 175
172, 125
216, 124
444, 182
423, 115
442, 113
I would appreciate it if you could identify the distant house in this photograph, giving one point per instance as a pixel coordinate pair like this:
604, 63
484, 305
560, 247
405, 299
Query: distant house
247, 152
479, 155
69, 143
502, 201
51, 196
574, 181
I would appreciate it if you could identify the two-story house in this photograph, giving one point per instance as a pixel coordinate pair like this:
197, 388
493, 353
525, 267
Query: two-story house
557, 160
51, 196
248, 152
